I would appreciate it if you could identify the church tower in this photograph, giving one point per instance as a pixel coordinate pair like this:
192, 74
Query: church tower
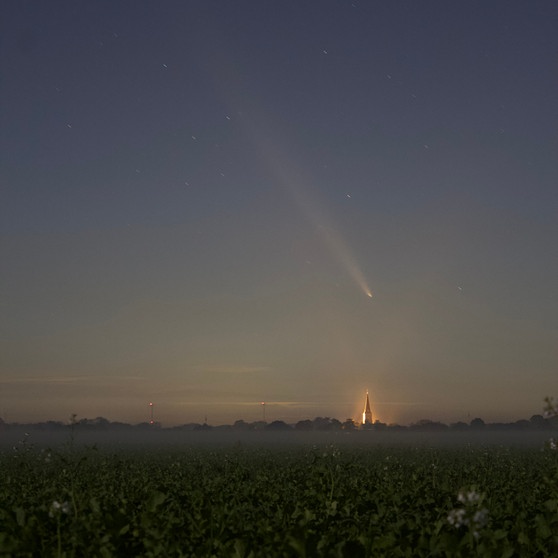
367, 413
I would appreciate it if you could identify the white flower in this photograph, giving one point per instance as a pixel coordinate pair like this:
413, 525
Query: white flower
470, 497
470, 515
458, 517
59, 508
552, 444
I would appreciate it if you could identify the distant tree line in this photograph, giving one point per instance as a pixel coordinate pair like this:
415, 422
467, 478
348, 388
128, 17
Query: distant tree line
536, 422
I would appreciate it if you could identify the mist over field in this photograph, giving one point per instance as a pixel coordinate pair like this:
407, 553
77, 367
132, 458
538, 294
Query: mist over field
152, 441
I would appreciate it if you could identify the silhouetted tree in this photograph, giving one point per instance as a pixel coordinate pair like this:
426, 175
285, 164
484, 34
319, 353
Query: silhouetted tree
278, 425
538, 422
349, 425
394, 427
201, 427
51, 425
334, 424
98, 423
241, 425
550, 408
152, 426
379, 426
304, 425
429, 425
321, 423
477, 424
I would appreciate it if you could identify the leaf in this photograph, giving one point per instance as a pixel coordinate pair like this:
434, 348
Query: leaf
124, 529
156, 498
20, 516
551, 505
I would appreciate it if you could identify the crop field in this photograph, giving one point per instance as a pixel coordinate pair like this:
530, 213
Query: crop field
325, 500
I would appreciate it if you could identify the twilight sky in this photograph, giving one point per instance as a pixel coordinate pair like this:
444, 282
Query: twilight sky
197, 198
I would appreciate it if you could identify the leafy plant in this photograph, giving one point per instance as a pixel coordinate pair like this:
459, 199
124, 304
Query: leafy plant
324, 501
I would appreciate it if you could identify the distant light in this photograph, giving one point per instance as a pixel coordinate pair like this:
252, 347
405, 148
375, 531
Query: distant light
369, 294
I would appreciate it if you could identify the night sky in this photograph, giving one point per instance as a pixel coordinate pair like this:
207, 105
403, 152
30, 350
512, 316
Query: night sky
199, 197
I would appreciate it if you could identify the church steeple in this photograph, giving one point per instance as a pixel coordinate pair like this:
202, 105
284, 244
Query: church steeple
367, 414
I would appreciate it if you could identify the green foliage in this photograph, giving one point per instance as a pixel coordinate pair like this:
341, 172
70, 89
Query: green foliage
249, 503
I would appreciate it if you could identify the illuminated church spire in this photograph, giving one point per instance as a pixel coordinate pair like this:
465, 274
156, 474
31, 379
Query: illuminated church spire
367, 413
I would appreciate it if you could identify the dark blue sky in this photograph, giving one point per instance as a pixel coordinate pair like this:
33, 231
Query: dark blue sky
196, 197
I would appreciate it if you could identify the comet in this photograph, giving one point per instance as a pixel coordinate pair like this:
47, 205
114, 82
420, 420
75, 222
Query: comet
317, 216
339, 250
299, 188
